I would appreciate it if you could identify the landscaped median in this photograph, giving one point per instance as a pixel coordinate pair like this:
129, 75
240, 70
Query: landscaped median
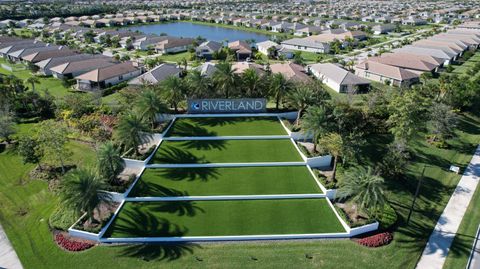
210, 181
226, 151
224, 218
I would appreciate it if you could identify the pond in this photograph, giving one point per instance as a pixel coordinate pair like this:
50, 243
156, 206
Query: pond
187, 29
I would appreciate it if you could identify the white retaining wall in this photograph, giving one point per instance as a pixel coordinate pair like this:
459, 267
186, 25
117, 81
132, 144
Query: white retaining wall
320, 162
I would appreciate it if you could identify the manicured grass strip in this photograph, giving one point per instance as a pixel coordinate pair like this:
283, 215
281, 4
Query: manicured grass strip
226, 126
226, 151
225, 181
216, 218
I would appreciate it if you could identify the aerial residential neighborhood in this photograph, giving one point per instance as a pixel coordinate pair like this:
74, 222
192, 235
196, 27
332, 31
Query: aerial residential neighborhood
239, 134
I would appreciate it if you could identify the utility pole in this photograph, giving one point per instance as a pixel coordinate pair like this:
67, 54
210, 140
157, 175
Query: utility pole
416, 194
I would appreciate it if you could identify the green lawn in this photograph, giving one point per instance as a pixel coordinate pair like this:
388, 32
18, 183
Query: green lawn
465, 66
226, 151
53, 85
215, 218
463, 242
175, 57
225, 181
226, 126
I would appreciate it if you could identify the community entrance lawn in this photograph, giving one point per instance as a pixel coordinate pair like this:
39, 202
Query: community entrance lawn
220, 218
226, 151
225, 181
227, 126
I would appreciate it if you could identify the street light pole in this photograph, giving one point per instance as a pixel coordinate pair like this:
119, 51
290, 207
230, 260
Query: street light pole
416, 194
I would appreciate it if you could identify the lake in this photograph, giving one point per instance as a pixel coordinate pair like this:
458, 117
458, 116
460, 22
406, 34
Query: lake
187, 29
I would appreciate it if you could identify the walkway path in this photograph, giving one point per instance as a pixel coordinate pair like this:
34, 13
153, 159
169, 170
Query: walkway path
436, 250
8, 257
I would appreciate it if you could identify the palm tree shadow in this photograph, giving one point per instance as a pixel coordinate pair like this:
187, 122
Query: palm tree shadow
143, 189
205, 144
158, 251
171, 154
180, 208
190, 174
212, 122
183, 128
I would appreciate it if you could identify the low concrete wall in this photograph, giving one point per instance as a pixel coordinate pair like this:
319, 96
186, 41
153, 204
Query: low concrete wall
199, 165
299, 136
83, 234
364, 229
226, 197
134, 163
320, 162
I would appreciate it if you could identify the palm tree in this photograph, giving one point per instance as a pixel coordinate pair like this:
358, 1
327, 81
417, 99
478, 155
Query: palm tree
148, 104
252, 83
110, 163
82, 190
130, 131
333, 144
279, 87
314, 121
32, 80
300, 98
199, 85
173, 91
362, 187
224, 78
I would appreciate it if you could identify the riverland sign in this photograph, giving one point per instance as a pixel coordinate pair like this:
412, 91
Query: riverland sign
245, 105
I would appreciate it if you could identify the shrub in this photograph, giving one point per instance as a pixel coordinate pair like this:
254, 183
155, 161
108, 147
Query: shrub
376, 240
388, 218
62, 219
70, 244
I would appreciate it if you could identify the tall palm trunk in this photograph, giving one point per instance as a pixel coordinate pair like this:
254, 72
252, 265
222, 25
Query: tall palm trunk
297, 121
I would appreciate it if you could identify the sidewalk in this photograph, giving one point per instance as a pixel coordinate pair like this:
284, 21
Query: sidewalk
8, 257
436, 250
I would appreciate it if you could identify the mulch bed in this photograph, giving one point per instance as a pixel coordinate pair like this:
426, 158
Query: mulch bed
69, 243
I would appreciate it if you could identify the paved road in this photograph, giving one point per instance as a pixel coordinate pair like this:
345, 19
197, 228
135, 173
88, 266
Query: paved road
436, 250
8, 257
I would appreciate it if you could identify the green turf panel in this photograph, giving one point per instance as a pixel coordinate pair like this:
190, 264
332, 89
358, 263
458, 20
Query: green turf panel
226, 151
225, 181
226, 126
217, 218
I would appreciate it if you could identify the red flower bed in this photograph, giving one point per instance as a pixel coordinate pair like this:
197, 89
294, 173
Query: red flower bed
376, 240
71, 245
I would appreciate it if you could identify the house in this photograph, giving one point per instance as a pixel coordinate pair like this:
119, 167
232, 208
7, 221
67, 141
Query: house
240, 67
434, 52
72, 69
383, 29
207, 69
263, 47
47, 54
339, 79
241, 49
156, 75
174, 45
207, 49
7, 48
408, 62
107, 76
386, 73
45, 65
304, 44
290, 71
146, 42
443, 45
308, 30
18, 55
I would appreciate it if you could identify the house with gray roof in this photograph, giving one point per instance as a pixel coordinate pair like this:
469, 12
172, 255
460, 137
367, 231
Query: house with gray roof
303, 44
207, 49
45, 65
156, 75
339, 79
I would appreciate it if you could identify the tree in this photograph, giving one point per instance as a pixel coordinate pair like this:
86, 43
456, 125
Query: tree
6, 125
279, 87
394, 163
52, 139
130, 131
314, 121
29, 150
361, 186
148, 104
224, 79
442, 121
198, 84
334, 145
300, 98
32, 80
408, 114
110, 163
82, 191
252, 83
173, 90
